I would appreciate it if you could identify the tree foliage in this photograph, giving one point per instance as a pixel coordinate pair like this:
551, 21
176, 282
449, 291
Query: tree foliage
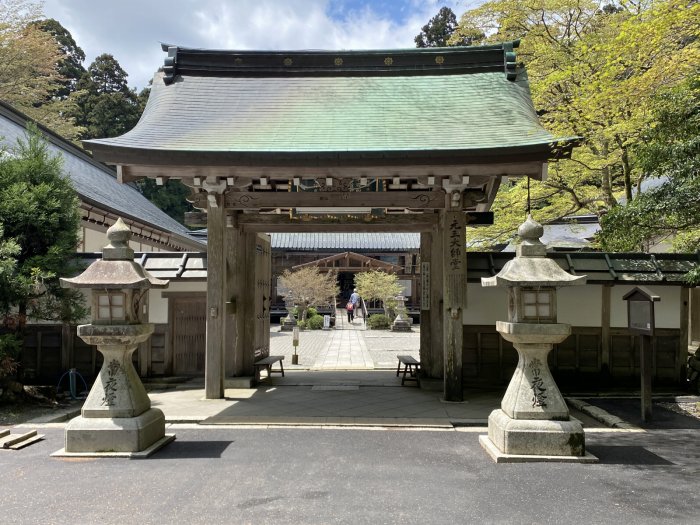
594, 69
307, 287
670, 153
39, 218
378, 285
106, 106
439, 31
70, 64
30, 70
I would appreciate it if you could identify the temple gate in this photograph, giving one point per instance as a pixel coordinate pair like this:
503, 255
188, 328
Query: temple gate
412, 140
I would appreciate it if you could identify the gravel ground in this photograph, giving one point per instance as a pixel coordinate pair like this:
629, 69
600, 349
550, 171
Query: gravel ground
691, 409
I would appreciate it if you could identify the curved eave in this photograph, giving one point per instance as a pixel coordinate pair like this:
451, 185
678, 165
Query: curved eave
109, 151
109, 275
533, 272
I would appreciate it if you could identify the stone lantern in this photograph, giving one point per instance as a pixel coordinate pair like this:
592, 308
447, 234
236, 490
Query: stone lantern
117, 418
533, 421
402, 323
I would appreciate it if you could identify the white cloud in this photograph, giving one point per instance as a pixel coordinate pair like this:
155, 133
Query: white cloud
131, 30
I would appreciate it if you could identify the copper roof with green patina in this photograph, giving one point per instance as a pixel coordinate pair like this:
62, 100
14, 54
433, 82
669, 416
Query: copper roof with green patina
471, 100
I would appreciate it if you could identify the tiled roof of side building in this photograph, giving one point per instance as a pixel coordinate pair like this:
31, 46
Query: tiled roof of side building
600, 268
95, 183
237, 105
379, 242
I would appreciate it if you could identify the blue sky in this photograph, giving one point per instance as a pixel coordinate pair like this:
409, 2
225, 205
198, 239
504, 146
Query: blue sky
131, 30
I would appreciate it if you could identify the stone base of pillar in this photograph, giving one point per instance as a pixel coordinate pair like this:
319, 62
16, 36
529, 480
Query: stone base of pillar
287, 326
528, 439
400, 326
115, 435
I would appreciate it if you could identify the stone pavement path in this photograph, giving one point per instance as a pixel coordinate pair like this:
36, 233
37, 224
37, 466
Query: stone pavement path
349, 346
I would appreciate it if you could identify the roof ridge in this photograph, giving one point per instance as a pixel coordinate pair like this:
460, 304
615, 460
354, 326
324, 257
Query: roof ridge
370, 62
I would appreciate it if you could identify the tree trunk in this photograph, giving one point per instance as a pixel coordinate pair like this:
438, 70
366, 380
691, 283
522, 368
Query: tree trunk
626, 172
606, 180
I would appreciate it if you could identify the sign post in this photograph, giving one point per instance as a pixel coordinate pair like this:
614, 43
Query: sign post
640, 320
295, 343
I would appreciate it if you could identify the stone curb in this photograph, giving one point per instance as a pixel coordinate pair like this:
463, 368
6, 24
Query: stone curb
599, 414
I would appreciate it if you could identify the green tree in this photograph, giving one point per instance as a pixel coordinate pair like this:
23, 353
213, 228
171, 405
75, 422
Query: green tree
30, 67
107, 107
593, 69
439, 30
70, 64
380, 286
669, 155
40, 221
171, 197
308, 287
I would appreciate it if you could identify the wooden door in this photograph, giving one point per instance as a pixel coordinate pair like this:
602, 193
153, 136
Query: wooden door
263, 289
189, 329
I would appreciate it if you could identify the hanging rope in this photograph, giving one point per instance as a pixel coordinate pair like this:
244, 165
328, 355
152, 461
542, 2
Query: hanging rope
528, 195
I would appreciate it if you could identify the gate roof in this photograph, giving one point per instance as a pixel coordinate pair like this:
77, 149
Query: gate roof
399, 107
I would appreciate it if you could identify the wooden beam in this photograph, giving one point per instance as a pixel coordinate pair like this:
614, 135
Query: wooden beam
491, 166
273, 223
244, 200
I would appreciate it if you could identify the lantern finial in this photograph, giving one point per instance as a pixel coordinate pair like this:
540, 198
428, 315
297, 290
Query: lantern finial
118, 248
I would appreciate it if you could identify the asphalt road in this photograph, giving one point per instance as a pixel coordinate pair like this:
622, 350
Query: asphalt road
323, 476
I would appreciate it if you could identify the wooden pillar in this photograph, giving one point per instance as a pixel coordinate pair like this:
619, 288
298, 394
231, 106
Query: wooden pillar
67, 360
645, 370
694, 316
454, 264
437, 343
426, 349
216, 282
605, 330
682, 358
234, 281
247, 337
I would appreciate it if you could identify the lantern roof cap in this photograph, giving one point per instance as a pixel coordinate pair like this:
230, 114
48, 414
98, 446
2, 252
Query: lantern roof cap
116, 269
531, 268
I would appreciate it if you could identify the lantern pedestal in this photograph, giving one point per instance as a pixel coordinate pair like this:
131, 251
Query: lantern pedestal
117, 418
533, 423
288, 323
402, 323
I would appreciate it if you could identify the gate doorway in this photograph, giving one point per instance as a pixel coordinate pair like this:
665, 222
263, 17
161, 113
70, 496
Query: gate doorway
188, 330
346, 282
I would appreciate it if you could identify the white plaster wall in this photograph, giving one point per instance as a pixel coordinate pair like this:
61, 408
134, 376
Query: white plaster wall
94, 240
667, 311
158, 305
580, 305
485, 306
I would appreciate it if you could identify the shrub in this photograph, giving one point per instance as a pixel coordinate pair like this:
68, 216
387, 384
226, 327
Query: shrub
378, 321
311, 312
315, 322
10, 348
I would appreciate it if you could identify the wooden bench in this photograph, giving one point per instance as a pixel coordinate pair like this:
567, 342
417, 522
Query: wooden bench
411, 369
267, 363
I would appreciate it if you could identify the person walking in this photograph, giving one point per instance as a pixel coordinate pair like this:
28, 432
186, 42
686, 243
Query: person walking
355, 301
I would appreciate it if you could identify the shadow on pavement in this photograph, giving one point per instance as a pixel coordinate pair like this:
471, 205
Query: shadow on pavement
626, 455
192, 450
630, 411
